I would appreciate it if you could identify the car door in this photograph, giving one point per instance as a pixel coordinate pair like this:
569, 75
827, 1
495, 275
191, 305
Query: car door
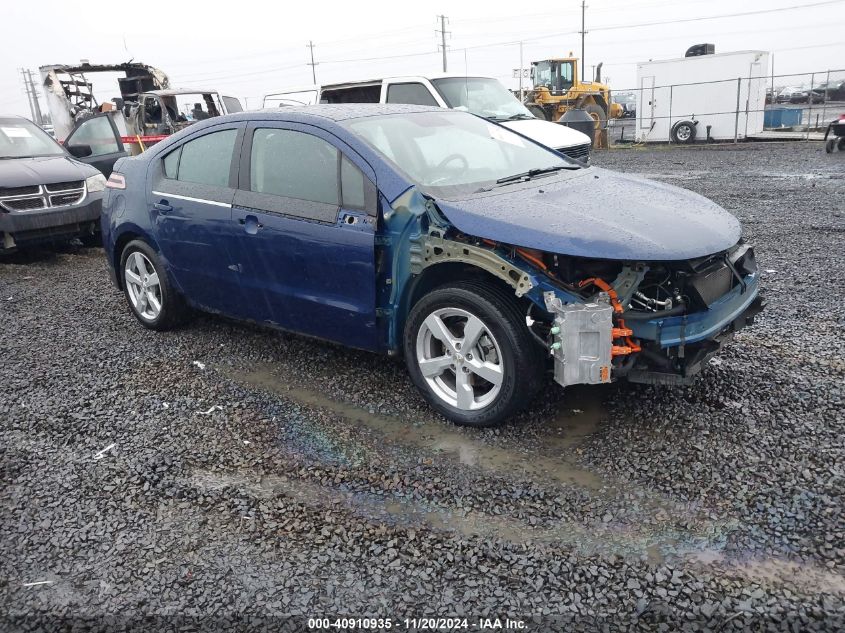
190, 192
306, 211
96, 141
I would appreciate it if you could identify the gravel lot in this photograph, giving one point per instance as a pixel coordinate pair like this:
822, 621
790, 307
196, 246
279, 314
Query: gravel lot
223, 469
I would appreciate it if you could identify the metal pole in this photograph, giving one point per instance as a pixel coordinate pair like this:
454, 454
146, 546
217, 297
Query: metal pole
824, 103
748, 97
313, 64
671, 94
39, 118
810, 103
443, 38
521, 71
736, 120
583, 33
774, 101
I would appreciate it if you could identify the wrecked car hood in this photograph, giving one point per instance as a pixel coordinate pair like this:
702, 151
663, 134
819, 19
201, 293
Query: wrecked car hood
597, 213
42, 170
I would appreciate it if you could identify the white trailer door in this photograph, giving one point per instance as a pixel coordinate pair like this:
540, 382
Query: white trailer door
647, 101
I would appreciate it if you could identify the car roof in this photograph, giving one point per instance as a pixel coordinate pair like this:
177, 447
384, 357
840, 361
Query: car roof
12, 118
334, 111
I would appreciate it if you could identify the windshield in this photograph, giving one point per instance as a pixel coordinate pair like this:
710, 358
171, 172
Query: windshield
20, 138
456, 150
543, 75
482, 96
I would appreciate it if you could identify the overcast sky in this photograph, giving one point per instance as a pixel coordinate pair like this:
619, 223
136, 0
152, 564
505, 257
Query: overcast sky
250, 48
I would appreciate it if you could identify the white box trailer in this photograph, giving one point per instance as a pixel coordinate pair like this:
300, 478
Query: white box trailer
707, 89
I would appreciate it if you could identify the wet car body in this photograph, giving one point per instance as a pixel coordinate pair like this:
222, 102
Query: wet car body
45, 196
618, 276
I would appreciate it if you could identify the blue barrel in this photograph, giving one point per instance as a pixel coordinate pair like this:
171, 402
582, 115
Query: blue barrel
783, 117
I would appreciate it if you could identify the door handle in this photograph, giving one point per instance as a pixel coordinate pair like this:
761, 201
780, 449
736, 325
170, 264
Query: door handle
162, 207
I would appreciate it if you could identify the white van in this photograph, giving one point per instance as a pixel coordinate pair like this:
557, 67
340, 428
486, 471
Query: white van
484, 96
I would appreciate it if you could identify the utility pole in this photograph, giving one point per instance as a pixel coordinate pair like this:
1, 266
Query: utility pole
28, 93
442, 32
583, 33
31, 96
39, 119
521, 70
313, 64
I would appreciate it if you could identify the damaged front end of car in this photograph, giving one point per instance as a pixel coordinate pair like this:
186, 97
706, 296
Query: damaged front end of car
599, 320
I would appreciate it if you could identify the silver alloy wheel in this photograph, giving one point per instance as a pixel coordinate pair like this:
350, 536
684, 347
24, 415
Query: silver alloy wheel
683, 132
460, 359
142, 285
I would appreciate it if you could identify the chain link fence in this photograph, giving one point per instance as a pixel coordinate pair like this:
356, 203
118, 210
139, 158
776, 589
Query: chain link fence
760, 107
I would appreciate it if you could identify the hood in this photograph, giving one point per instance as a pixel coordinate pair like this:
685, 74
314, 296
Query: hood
42, 170
546, 133
598, 214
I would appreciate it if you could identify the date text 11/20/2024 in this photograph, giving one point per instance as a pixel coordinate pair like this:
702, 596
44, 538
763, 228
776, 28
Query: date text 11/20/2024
416, 624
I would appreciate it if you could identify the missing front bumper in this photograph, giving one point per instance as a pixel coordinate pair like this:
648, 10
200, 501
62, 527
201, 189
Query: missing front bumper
582, 346
679, 365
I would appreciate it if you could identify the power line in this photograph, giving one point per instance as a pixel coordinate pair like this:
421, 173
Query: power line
514, 42
643, 24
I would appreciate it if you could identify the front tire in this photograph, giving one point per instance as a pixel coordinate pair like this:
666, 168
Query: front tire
151, 297
598, 115
469, 352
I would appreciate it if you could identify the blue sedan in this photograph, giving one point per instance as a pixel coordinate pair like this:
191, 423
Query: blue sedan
483, 258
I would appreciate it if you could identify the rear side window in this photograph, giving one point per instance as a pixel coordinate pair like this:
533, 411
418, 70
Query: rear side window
171, 163
294, 165
206, 160
412, 93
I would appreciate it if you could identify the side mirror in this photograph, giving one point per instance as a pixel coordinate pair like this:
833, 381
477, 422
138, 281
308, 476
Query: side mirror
79, 151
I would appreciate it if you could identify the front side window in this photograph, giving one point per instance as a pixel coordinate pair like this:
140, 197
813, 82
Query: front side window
96, 133
294, 165
411, 93
352, 185
453, 149
20, 138
482, 96
206, 160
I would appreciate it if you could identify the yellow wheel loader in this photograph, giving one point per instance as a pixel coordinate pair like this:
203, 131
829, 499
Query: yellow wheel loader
558, 89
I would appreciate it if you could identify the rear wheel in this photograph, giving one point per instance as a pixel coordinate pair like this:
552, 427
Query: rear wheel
683, 132
151, 297
469, 352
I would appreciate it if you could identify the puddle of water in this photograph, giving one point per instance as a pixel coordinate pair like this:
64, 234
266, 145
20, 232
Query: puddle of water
434, 436
580, 417
774, 571
585, 539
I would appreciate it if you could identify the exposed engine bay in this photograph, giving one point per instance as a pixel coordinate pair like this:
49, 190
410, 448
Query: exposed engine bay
612, 317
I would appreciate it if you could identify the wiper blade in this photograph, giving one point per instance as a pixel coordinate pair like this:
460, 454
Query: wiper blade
521, 115
531, 173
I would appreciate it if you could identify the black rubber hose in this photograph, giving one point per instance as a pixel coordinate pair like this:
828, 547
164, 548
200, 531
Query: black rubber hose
648, 316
